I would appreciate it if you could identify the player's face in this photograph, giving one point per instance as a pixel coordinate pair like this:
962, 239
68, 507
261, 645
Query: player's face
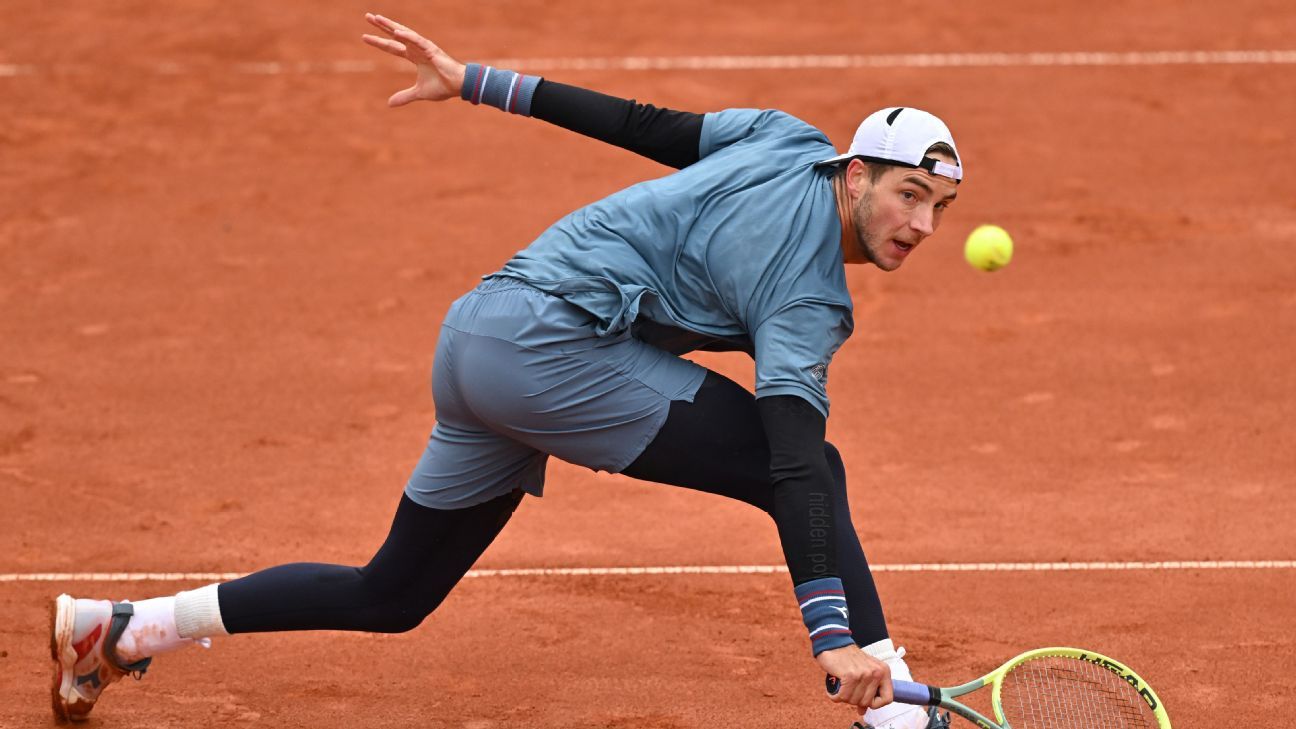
899, 211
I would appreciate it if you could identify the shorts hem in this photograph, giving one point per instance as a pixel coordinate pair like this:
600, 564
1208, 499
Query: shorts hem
459, 503
687, 396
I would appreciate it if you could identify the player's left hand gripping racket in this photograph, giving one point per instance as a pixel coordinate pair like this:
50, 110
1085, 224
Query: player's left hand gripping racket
1049, 688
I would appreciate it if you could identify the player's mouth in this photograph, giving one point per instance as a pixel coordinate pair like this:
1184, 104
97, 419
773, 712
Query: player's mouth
902, 247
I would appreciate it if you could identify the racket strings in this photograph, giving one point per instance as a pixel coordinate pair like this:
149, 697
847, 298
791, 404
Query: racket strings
1067, 693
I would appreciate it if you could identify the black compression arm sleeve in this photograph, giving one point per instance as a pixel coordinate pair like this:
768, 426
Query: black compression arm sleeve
803, 506
662, 135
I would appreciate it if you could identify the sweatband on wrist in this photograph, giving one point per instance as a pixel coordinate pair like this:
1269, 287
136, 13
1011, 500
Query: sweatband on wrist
823, 608
505, 90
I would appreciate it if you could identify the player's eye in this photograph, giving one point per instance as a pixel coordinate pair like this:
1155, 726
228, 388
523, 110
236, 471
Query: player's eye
908, 195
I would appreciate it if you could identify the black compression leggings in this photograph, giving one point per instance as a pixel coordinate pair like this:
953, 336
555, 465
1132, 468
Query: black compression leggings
714, 444
426, 553
717, 444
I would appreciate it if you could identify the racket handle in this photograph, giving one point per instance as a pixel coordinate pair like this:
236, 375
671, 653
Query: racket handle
918, 694
906, 692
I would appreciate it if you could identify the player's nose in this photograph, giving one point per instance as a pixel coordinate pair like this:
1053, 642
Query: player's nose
923, 221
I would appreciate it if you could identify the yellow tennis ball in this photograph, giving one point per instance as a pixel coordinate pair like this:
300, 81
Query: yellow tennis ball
988, 248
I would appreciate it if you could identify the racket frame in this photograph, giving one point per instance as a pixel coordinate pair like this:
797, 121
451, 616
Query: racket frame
944, 697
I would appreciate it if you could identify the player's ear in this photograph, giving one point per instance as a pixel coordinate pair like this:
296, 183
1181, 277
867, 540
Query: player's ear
857, 176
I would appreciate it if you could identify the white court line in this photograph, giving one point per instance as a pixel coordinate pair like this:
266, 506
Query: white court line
722, 63
700, 570
901, 60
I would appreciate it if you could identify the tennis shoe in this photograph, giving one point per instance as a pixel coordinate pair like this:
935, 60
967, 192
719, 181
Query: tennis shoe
83, 642
922, 717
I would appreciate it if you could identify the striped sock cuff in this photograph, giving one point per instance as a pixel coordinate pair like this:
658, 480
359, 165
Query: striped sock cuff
823, 608
505, 90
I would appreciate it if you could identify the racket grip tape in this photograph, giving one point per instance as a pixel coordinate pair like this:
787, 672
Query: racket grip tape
906, 692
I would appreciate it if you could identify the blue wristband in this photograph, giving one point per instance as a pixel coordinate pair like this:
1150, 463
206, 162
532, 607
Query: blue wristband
505, 90
823, 608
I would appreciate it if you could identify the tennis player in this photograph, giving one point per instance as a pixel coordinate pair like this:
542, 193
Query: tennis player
571, 350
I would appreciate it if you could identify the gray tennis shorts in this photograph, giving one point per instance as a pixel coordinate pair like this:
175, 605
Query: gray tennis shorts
520, 375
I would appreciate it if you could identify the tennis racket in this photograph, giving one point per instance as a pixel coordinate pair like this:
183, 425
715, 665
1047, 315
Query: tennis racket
1049, 688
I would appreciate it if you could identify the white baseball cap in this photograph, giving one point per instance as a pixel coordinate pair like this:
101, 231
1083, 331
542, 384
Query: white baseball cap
901, 135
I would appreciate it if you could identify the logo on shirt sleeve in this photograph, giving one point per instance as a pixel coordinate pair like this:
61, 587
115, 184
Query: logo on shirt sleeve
820, 373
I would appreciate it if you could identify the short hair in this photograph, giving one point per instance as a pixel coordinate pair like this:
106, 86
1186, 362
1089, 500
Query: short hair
877, 169
945, 149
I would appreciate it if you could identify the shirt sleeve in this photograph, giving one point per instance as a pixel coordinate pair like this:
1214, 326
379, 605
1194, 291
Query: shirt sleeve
723, 128
794, 347
662, 135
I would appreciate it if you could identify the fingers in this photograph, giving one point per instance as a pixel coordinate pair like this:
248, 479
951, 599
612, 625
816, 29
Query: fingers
865, 684
885, 694
384, 44
401, 32
867, 689
858, 692
850, 690
428, 48
861, 680
386, 25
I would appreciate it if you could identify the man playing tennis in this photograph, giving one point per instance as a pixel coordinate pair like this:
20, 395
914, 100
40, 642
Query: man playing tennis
571, 350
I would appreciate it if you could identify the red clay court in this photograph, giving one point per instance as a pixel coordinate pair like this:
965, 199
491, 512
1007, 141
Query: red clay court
223, 262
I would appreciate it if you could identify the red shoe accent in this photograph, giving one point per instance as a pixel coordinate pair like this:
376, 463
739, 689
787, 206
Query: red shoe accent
84, 645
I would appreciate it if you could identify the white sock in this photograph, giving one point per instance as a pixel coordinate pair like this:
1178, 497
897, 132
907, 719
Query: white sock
151, 631
894, 716
164, 624
883, 650
197, 613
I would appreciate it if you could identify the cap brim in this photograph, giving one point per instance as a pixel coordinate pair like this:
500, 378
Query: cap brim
934, 166
835, 160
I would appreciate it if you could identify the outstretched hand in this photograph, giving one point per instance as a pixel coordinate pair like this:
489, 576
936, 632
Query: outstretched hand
439, 76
